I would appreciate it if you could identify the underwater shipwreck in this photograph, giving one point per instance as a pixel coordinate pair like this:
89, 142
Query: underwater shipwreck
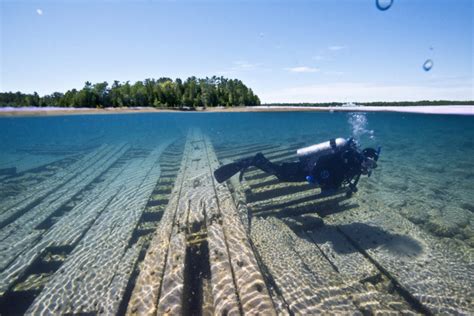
119, 229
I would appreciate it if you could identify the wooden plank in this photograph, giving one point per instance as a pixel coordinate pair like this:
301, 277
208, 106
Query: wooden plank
118, 285
49, 191
189, 219
356, 276
252, 291
279, 191
302, 290
283, 201
90, 168
248, 151
21, 234
15, 204
97, 262
198, 189
147, 290
308, 283
436, 276
349, 262
25, 161
189, 209
170, 301
14, 207
270, 150
224, 291
171, 298
198, 207
281, 307
70, 227
225, 148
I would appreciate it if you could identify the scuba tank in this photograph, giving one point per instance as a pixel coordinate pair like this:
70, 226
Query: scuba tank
324, 148
310, 155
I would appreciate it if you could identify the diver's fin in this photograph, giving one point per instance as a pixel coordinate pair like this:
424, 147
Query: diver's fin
226, 171
241, 175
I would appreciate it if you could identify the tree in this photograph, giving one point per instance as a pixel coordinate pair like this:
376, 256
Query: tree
101, 94
193, 92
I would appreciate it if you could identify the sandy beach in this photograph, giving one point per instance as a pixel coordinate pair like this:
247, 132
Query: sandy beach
53, 111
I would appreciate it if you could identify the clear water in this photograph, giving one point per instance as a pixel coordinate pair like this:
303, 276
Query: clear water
425, 174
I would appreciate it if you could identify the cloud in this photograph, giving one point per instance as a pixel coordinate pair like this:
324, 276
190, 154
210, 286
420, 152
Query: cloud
336, 47
239, 66
318, 57
302, 69
242, 64
39, 11
367, 92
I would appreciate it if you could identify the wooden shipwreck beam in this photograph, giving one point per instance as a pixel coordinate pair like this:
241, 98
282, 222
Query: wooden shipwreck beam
200, 257
94, 277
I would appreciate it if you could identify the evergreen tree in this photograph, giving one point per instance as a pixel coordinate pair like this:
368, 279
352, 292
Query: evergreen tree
194, 92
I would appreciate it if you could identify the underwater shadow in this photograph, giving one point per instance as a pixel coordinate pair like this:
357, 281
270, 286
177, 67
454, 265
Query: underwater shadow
320, 204
323, 208
361, 236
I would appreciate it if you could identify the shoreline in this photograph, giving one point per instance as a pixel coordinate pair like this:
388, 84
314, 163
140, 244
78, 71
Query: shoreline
428, 109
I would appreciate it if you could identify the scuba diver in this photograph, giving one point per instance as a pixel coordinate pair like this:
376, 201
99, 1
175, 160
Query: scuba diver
331, 165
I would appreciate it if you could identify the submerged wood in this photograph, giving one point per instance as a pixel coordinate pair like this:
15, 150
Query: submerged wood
25, 161
95, 275
304, 292
251, 287
200, 207
72, 226
146, 291
222, 281
435, 275
352, 283
23, 233
11, 206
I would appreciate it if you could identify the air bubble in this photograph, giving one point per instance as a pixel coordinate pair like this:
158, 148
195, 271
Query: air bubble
428, 65
383, 5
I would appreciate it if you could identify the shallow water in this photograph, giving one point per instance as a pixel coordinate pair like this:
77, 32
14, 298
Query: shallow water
425, 176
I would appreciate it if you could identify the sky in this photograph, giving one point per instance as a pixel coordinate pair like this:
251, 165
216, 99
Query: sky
286, 51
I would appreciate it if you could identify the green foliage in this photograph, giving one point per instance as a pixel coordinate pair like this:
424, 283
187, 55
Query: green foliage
164, 92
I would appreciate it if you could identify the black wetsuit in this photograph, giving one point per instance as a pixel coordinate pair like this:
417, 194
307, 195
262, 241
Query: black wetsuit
329, 171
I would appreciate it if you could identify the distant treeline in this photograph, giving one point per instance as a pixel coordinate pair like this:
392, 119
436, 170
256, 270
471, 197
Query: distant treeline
399, 103
164, 92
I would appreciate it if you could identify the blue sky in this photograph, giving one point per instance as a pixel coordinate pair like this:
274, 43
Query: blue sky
286, 51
